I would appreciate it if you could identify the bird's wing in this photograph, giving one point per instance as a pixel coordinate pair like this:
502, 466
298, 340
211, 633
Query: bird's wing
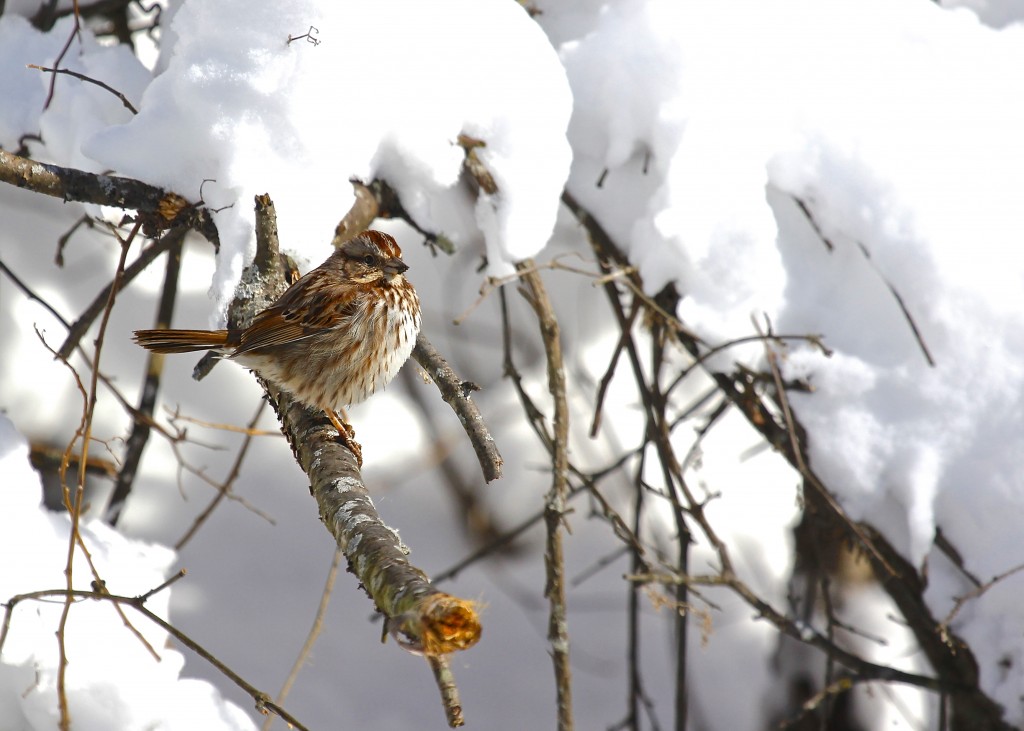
302, 312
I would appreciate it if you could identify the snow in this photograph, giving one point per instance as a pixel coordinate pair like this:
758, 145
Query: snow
112, 680
928, 189
253, 109
897, 123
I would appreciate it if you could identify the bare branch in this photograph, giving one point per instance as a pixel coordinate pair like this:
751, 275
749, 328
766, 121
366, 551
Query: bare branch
456, 392
954, 664
167, 242
419, 616
555, 502
918, 337
449, 691
151, 387
74, 505
225, 486
159, 209
82, 77
314, 633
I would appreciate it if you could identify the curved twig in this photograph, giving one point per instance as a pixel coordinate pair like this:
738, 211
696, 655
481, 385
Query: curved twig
82, 77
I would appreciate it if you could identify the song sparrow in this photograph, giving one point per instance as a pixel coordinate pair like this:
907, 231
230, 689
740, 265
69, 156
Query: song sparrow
332, 339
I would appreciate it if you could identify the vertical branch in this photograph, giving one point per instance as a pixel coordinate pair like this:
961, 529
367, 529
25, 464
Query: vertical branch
670, 466
555, 503
441, 667
636, 564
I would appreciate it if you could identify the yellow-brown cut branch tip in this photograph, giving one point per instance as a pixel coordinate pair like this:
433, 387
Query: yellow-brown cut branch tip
439, 625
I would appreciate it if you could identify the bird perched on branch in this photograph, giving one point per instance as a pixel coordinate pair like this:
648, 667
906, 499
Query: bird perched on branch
332, 339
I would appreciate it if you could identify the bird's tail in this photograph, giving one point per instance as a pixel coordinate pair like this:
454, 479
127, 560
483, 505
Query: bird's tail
181, 341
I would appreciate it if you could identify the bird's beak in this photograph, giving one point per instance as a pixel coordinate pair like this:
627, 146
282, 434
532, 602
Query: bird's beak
395, 266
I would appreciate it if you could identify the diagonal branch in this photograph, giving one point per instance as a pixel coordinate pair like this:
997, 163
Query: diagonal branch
151, 388
455, 392
419, 616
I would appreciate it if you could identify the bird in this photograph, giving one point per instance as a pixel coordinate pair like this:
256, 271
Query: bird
335, 337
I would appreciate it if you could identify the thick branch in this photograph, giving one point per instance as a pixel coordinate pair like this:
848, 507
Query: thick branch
162, 209
419, 616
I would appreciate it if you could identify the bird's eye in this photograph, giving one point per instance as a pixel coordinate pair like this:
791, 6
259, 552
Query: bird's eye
369, 260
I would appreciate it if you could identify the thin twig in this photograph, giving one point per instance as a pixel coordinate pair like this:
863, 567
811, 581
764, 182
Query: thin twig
492, 284
442, 671
182, 573
812, 704
138, 603
797, 451
606, 379
175, 415
914, 329
918, 337
75, 506
224, 489
636, 565
124, 100
314, 633
32, 295
76, 31
976, 592
658, 428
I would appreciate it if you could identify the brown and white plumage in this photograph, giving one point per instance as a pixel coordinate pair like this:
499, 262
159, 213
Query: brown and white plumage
333, 338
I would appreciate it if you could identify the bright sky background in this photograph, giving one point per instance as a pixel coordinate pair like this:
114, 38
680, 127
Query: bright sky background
896, 122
